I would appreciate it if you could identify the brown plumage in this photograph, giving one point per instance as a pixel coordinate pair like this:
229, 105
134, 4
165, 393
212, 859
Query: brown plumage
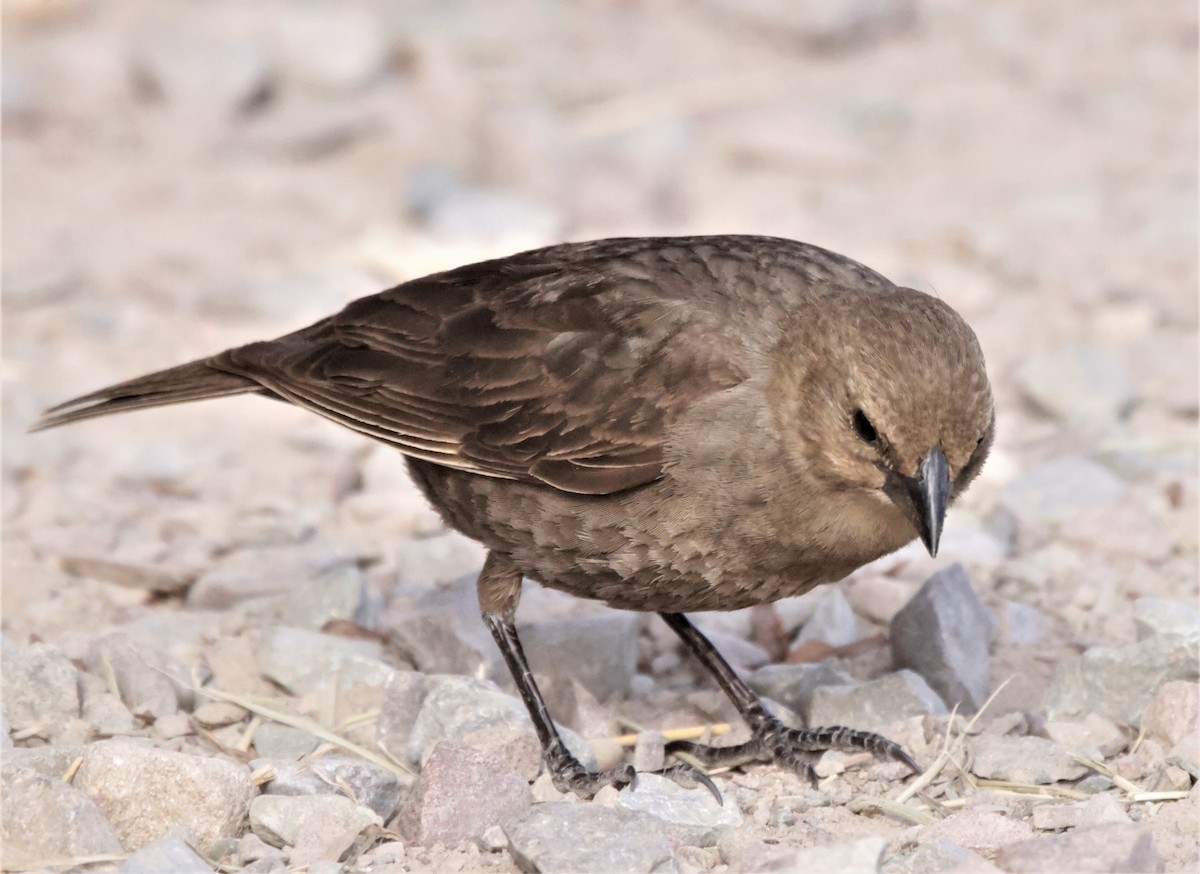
664, 424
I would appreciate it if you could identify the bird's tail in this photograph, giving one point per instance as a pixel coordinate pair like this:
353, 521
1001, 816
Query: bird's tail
187, 382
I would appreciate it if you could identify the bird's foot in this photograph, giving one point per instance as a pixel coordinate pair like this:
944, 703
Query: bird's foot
569, 775
796, 749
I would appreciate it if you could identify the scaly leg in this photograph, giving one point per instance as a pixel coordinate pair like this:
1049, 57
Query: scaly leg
771, 740
499, 592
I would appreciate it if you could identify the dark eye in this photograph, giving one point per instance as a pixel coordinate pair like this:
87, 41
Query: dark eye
863, 427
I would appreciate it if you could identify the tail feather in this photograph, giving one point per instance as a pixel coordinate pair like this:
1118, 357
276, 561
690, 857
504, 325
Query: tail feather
195, 381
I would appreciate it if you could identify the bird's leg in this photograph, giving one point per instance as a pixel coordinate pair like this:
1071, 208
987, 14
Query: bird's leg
499, 591
771, 740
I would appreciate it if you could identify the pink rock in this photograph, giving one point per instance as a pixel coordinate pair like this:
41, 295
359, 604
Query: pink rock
462, 791
1174, 712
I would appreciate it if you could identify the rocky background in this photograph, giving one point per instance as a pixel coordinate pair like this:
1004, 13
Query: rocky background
232, 633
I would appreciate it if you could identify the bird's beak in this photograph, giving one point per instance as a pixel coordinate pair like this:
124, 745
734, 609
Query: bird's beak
923, 497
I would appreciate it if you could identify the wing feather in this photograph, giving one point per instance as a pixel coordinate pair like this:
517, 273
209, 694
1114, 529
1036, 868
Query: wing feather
562, 374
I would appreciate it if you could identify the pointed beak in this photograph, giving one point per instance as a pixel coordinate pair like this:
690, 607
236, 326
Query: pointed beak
923, 498
932, 493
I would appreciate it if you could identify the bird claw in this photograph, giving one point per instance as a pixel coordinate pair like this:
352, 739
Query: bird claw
689, 777
569, 775
794, 748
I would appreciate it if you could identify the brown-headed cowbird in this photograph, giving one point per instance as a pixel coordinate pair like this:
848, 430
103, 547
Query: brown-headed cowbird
665, 424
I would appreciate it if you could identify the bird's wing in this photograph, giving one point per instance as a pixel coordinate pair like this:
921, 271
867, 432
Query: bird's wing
528, 370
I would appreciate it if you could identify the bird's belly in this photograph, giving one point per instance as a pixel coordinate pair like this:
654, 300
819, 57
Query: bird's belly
639, 550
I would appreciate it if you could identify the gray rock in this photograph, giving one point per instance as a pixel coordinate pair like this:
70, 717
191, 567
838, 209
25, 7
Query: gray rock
1111, 848
280, 820
741, 654
198, 65
275, 741
1052, 492
368, 783
456, 707
649, 751
403, 696
169, 854
1159, 616
338, 593
1023, 624
435, 644
303, 661
825, 26
692, 815
1101, 809
145, 791
251, 848
943, 634
107, 714
1092, 736
938, 854
174, 638
39, 687
561, 837
793, 685
5, 732
1118, 682
832, 621
875, 705
1022, 759
862, 856
142, 673
1078, 383
44, 819
600, 652
49, 761
259, 571
460, 794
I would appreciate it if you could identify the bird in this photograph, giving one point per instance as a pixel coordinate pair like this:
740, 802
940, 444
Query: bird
663, 424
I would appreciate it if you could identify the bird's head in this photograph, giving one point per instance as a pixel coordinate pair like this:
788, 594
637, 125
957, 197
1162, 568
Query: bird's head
889, 401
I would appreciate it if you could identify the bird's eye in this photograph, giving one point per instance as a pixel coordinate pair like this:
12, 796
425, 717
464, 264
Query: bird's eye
863, 427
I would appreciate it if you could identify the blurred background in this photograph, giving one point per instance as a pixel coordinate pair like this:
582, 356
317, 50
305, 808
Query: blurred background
180, 177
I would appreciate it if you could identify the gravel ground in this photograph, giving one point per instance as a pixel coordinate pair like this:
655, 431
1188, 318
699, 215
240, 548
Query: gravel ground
232, 633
